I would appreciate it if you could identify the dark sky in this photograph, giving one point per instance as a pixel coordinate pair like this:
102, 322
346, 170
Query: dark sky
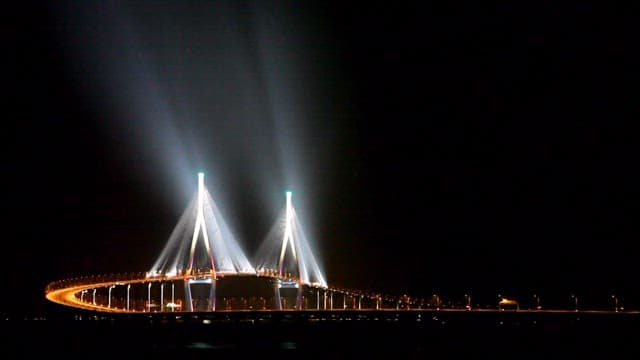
435, 148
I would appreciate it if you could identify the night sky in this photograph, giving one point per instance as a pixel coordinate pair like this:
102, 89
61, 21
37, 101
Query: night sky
483, 149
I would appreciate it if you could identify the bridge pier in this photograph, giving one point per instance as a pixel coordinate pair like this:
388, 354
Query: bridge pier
288, 284
188, 294
278, 300
212, 295
325, 300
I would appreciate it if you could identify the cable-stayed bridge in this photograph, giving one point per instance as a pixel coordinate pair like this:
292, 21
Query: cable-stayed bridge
203, 268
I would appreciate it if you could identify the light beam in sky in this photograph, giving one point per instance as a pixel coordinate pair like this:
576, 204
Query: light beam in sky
248, 90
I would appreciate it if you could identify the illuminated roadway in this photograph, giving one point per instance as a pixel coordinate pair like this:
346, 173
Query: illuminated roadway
70, 296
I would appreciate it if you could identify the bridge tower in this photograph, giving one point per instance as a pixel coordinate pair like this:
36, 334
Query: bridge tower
288, 239
191, 275
200, 249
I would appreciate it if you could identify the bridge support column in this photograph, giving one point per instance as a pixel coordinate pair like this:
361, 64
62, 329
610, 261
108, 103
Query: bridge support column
325, 300
278, 300
212, 294
211, 297
299, 298
187, 295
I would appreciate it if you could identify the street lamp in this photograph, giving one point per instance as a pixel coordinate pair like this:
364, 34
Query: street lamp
94, 296
615, 302
109, 302
575, 301
82, 295
468, 297
535, 296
